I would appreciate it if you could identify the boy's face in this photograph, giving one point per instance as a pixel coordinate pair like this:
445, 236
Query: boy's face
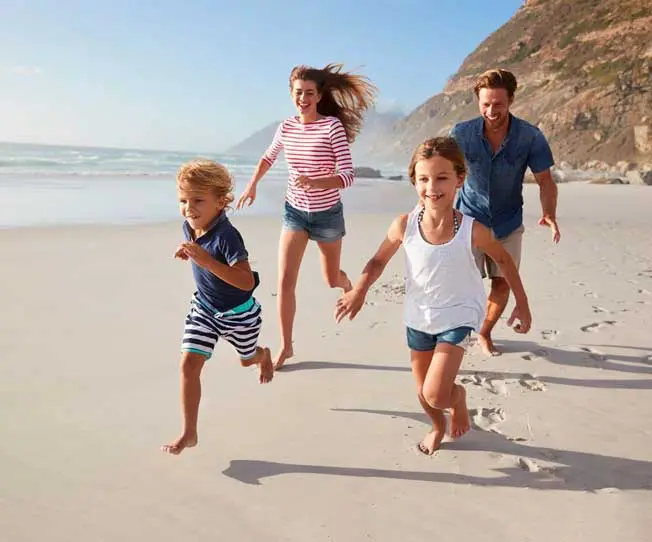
199, 207
436, 182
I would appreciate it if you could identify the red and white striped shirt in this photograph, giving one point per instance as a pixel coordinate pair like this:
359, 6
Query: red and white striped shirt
317, 149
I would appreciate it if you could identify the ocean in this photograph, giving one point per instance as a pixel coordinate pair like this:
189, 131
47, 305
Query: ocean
46, 185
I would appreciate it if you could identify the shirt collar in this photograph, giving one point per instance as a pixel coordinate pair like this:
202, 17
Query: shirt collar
219, 219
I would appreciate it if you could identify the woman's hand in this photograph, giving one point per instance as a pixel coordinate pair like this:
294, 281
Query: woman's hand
248, 196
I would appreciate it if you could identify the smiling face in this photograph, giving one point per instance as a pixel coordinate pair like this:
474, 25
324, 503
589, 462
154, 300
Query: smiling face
494, 107
199, 207
436, 182
305, 97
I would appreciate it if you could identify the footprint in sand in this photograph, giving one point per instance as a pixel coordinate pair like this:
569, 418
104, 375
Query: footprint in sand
532, 384
376, 324
549, 334
645, 273
643, 291
487, 419
530, 465
497, 386
536, 354
597, 309
595, 326
595, 355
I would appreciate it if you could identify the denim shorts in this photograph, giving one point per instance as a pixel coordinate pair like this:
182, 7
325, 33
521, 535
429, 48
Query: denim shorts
424, 342
327, 225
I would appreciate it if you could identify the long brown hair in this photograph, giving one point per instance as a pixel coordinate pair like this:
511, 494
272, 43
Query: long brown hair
343, 95
446, 147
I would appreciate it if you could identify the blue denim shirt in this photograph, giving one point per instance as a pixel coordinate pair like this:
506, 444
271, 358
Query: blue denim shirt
493, 190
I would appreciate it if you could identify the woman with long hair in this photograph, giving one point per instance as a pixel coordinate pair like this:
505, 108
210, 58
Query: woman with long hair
330, 105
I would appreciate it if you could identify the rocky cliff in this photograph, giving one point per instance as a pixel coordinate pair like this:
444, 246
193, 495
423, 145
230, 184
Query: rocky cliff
584, 69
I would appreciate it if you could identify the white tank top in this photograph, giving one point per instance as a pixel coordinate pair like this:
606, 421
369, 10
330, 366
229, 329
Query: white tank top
443, 285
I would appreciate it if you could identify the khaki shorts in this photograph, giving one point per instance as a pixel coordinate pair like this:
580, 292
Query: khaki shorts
512, 244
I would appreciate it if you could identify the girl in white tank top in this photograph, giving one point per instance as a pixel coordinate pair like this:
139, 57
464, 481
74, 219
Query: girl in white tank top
444, 294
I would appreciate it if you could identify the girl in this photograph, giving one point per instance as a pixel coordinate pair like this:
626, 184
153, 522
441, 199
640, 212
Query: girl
444, 294
330, 104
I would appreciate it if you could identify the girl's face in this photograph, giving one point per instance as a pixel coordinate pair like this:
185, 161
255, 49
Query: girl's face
305, 97
436, 182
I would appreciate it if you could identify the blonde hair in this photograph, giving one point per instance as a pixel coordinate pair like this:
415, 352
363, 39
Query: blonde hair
446, 147
206, 175
343, 94
497, 78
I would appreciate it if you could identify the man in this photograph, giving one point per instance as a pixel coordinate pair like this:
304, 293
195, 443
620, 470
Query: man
498, 148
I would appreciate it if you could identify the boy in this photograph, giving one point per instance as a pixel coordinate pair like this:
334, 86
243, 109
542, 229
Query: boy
223, 305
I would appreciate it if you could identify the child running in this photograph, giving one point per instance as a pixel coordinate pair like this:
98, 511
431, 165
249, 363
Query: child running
223, 305
444, 294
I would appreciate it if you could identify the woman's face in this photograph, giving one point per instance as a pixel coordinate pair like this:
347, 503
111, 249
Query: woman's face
305, 97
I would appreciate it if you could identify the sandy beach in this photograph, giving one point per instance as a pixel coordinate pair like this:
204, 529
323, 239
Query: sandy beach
561, 446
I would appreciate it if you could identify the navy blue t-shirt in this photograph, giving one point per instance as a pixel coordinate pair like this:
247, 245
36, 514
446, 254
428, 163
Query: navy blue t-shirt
224, 243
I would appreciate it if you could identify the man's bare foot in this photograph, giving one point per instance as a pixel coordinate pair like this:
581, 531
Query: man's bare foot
487, 345
183, 442
460, 416
431, 442
282, 356
266, 368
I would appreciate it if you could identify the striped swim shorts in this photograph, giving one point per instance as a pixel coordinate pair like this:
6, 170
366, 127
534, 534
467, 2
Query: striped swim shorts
239, 326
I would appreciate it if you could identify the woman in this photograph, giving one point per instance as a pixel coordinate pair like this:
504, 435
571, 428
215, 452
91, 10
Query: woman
330, 105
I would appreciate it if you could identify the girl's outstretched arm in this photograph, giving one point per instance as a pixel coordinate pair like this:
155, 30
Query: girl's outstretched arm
486, 242
351, 302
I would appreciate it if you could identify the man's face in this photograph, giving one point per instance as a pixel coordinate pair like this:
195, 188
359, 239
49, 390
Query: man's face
494, 107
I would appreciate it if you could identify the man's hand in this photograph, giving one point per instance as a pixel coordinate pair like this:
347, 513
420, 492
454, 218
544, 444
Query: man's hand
552, 224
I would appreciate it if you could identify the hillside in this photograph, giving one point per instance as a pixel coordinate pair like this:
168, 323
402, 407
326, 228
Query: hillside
584, 70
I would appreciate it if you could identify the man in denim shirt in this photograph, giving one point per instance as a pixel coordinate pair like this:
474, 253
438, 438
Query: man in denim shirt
498, 148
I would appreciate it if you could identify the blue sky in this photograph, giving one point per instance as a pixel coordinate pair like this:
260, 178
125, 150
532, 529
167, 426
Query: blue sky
201, 75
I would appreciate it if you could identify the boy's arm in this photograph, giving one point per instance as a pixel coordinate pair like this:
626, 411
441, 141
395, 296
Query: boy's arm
351, 302
485, 241
238, 275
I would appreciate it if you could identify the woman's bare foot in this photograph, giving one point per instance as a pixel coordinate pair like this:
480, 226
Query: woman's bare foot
431, 442
187, 440
348, 286
487, 345
282, 356
460, 416
266, 368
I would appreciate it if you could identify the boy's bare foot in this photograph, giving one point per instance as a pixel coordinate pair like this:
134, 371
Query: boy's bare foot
249, 362
266, 368
184, 441
487, 345
431, 442
460, 416
283, 355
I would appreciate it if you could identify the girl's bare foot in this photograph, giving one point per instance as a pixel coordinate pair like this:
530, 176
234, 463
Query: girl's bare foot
431, 442
266, 368
460, 416
487, 345
283, 355
187, 440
